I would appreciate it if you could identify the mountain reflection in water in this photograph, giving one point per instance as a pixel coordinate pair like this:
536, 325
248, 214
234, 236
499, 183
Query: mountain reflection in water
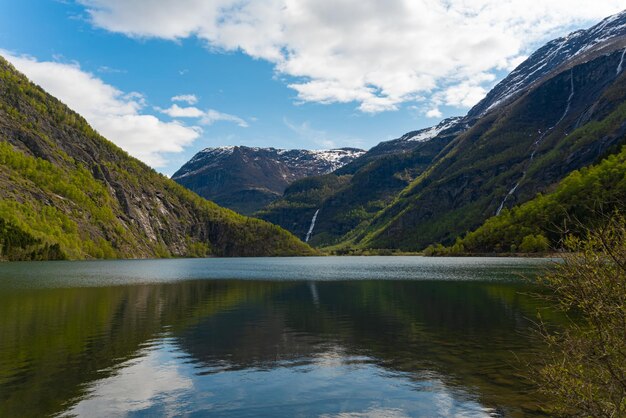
268, 348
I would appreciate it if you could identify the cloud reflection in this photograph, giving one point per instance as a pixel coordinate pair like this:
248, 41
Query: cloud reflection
153, 379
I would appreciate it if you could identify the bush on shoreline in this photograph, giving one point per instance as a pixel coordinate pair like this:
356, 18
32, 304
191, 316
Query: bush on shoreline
585, 371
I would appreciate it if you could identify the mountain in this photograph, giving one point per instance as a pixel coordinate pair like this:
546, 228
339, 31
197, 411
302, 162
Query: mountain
246, 179
570, 118
583, 200
407, 142
67, 192
560, 110
557, 55
353, 194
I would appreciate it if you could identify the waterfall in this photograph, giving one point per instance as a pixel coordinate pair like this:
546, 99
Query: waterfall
308, 234
509, 194
621, 62
535, 145
569, 100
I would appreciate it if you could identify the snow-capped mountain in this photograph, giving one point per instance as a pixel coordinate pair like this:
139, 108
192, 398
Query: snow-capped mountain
444, 131
560, 110
247, 178
427, 134
556, 56
573, 49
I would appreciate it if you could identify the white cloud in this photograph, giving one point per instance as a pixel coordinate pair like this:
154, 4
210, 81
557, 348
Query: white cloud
464, 94
318, 138
211, 116
378, 54
116, 115
176, 111
108, 70
434, 113
207, 117
190, 99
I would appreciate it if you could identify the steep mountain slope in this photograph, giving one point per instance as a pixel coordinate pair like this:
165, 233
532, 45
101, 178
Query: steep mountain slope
583, 200
246, 179
577, 47
355, 193
510, 154
407, 143
68, 192
557, 112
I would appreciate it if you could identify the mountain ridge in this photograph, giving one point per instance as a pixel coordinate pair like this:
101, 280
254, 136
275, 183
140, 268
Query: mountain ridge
67, 187
247, 178
583, 44
534, 167
497, 158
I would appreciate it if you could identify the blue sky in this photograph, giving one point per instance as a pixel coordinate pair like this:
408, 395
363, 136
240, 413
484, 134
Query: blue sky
281, 73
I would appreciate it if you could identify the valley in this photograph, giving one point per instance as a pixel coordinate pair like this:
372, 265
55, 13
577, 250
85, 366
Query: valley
559, 111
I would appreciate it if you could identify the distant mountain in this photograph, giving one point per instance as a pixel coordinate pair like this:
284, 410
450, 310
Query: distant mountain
562, 109
355, 193
246, 179
555, 56
67, 192
408, 142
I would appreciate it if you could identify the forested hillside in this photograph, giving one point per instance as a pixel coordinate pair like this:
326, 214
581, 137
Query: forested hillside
67, 192
583, 201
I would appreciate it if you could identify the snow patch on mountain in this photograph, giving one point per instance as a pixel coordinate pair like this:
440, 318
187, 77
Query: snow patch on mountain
427, 134
552, 56
317, 161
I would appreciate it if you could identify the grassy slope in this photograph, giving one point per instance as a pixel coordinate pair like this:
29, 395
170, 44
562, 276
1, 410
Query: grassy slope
580, 201
464, 188
62, 183
351, 196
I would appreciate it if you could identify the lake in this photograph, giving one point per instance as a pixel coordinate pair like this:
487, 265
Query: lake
310, 337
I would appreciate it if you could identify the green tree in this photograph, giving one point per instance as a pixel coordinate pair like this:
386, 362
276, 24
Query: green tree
585, 372
534, 244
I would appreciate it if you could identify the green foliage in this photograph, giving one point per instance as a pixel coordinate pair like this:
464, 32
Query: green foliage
77, 185
534, 244
72, 190
585, 372
49, 223
16, 244
300, 201
577, 203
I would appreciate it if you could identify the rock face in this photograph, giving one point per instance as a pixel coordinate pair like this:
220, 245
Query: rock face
67, 191
560, 110
246, 179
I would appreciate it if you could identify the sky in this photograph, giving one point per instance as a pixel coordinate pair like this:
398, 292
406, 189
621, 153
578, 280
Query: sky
164, 79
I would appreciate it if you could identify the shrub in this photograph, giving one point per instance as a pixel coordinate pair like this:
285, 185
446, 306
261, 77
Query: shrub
585, 371
534, 244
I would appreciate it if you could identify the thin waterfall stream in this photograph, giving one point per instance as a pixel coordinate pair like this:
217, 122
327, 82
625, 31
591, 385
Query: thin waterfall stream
535, 145
308, 234
621, 63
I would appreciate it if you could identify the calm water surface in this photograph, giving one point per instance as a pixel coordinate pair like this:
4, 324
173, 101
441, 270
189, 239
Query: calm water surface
310, 337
